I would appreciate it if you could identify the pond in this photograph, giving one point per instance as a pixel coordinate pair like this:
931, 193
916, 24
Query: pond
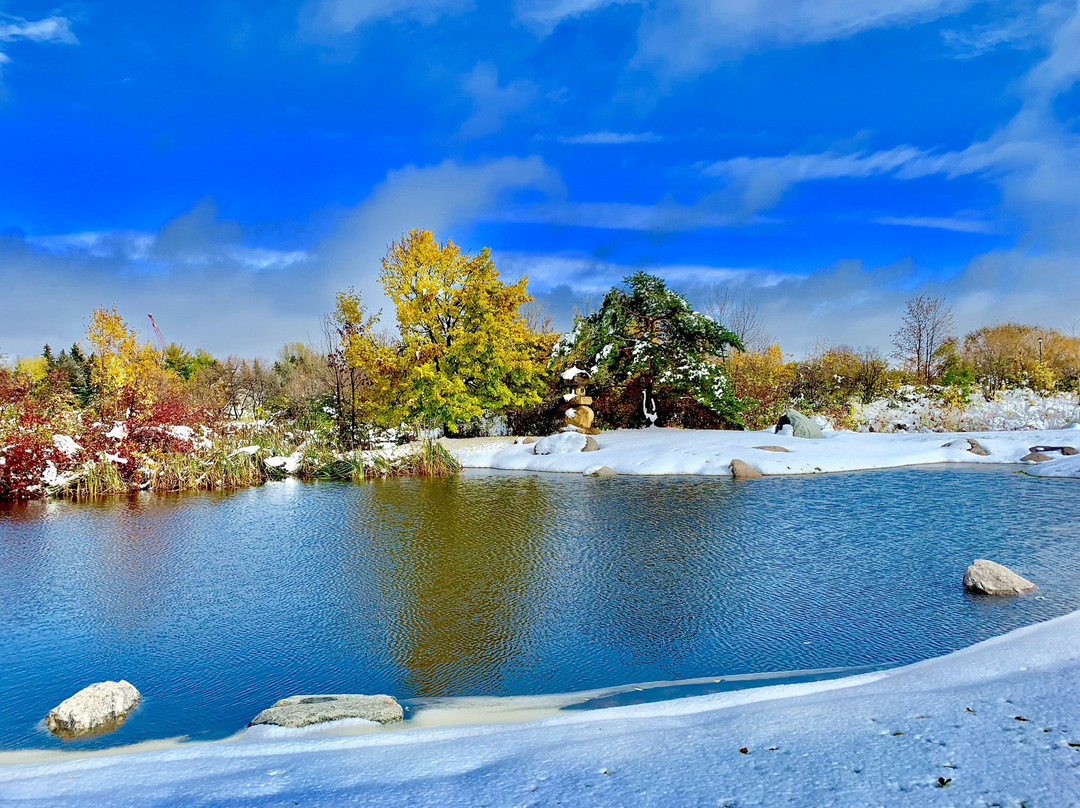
217, 605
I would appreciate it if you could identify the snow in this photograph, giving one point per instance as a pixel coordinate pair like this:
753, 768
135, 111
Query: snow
997, 722
248, 450
570, 373
915, 410
118, 432
561, 443
657, 451
67, 445
287, 464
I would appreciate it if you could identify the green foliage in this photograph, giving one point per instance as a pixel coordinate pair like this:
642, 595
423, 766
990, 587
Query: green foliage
648, 335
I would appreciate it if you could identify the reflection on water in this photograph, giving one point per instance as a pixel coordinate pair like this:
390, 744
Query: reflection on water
216, 605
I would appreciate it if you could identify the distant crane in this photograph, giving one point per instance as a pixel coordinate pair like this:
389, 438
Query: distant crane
157, 332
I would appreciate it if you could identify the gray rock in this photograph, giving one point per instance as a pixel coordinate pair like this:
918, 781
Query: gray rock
590, 444
772, 448
977, 448
602, 471
97, 708
990, 578
742, 470
801, 426
302, 711
1035, 457
1064, 451
527, 441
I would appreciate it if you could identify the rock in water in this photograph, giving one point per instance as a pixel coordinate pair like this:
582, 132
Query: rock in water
990, 578
742, 470
302, 711
97, 708
801, 426
599, 471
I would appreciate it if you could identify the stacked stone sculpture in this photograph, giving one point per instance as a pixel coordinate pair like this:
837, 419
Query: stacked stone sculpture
580, 416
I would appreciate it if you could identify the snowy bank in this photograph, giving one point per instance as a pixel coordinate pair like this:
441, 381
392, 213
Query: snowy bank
997, 723
710, 452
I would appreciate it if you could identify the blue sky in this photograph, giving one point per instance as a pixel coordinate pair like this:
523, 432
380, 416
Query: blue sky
228, 165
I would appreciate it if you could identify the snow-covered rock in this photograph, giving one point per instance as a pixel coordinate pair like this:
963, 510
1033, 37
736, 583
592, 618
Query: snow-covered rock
565, 443
96, 708
801, 426
991, 578
599, 471
302, 711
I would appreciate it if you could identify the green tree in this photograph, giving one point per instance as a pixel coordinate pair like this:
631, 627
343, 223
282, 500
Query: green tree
648, 334
466, 349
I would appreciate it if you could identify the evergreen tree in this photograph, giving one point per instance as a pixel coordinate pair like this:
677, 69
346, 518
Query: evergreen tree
648, 334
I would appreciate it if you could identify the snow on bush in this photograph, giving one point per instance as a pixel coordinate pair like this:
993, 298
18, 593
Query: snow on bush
941, 410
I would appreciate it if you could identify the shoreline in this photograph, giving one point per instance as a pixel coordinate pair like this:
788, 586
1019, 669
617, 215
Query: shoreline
883, 736
659, 451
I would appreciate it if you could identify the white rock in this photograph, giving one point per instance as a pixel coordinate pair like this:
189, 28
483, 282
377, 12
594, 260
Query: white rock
96, 708
990, 578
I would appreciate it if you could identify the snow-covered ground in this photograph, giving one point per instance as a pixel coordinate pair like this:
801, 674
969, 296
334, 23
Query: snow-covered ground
686, 451
998, 723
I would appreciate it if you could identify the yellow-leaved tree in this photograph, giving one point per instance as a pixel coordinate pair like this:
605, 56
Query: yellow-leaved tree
466, 349
126, 374
365, 370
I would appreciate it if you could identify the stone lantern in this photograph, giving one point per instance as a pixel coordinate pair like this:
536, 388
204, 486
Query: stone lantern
580, 416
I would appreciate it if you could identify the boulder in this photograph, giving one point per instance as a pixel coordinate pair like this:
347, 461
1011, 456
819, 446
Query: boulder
801, 426
968, 445
742, 470
528, 441
600, 471
97, 708
772, 448
1035, 457
581, 417
989, 578
1064, 451
565, 443
302, 711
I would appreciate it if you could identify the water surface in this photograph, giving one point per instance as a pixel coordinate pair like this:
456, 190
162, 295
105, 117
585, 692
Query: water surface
217, 605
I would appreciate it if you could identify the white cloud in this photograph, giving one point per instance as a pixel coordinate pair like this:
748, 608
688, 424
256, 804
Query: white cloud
690, 36
492, 103
543, 16
336, 17
51, 29
956, 224
209, 286
587, 275
609, 138
664, 217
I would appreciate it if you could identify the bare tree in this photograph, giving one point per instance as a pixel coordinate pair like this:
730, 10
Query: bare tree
926, 326
739, 315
